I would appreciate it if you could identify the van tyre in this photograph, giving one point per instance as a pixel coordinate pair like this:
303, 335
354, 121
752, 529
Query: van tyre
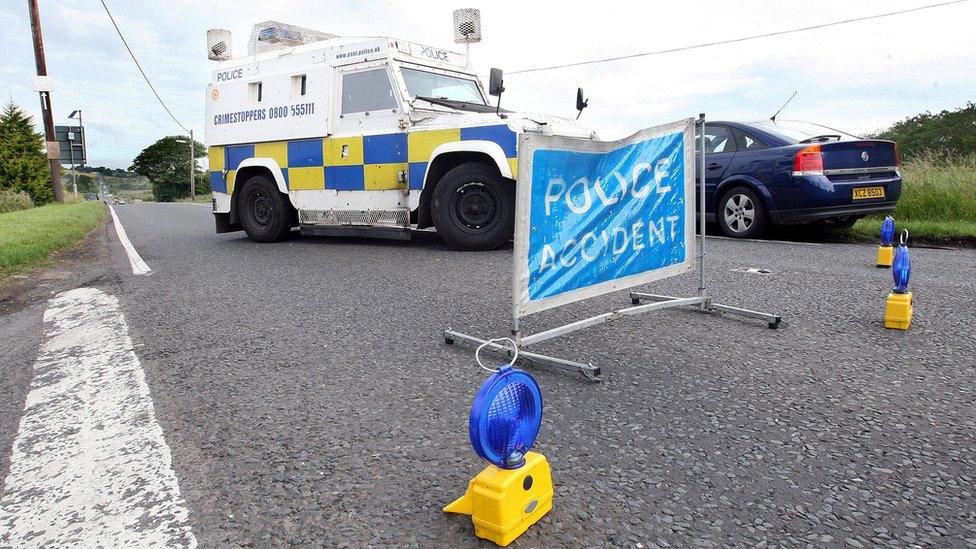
473, 207
741, 213
265, 213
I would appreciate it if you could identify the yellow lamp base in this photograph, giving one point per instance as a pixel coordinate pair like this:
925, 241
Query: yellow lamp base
886, 254
898, 311
503, 503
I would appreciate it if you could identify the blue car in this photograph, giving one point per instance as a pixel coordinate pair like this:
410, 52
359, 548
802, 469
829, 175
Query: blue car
759, 174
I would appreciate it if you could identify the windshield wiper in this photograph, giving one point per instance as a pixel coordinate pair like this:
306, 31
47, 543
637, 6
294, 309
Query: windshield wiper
457, 104
821, 138
443, 101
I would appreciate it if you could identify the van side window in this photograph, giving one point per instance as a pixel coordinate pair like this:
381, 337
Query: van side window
298, 86
367, 91
254, 90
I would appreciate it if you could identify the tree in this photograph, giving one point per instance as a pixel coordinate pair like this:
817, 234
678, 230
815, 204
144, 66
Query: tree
23, 164
203, 182
166, 163
948, 132
86, 184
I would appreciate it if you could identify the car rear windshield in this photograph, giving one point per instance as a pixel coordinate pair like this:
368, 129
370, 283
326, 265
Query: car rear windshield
795, 131
440, 86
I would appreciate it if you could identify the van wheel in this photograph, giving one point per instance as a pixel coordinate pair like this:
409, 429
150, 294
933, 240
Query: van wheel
741, 213
474, 207
265, 213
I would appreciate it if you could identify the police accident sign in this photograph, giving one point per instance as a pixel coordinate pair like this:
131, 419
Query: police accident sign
593, 217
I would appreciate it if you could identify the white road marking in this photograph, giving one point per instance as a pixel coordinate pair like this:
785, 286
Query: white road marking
90, 466
139, 266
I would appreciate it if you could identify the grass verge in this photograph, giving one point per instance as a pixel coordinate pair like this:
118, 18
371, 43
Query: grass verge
937, 204
930, 232
28, 237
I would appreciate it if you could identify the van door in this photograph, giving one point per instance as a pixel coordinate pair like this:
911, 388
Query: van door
368, 151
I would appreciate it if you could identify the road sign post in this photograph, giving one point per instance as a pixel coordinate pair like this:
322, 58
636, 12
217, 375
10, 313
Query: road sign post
595, 217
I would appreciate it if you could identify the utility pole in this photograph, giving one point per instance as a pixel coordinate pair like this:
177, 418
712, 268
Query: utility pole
193, 182
51, 143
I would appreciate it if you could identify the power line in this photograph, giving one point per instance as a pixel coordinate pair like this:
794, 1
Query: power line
741, 39
133, 56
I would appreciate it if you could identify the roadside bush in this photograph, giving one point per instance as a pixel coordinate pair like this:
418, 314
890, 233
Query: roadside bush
11, 201
951, 131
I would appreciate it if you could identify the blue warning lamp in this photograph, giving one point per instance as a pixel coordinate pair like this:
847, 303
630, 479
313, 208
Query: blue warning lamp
887, 231
515, 490
505, 417
901, 269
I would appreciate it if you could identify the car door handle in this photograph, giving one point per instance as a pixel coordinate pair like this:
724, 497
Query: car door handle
714, 166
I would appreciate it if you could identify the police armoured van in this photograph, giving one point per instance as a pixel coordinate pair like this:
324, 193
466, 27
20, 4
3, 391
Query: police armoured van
362, 136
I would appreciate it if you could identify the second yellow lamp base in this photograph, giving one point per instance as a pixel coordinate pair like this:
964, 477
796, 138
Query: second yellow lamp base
886, 255
503, 503
898, 311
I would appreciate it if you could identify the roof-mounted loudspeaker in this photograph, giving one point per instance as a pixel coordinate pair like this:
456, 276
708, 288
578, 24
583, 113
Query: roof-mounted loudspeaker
467, 26
219, 45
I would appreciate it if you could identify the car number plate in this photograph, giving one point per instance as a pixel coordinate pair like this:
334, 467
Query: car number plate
861, 193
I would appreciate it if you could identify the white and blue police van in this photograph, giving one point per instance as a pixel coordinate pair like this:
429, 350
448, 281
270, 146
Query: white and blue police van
361, 136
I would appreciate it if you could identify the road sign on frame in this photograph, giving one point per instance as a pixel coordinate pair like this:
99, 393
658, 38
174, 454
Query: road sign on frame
71, 144
594, 217
613, 276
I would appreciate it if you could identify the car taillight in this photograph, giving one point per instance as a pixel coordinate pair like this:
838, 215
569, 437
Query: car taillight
897, 156
808, 161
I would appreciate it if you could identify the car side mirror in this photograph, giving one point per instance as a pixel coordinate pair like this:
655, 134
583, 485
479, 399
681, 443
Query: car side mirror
580, 102
496, 83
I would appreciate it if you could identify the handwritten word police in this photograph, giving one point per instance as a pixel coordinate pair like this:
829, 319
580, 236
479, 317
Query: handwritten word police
581, 196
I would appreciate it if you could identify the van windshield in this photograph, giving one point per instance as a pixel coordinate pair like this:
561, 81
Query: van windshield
440, 86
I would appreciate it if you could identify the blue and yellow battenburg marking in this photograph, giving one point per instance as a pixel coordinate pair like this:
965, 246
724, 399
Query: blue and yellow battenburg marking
357, 163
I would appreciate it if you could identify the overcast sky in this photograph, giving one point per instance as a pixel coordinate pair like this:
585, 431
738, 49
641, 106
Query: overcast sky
857, 77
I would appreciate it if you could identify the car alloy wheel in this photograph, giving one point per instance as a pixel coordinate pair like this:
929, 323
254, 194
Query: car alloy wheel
739, 213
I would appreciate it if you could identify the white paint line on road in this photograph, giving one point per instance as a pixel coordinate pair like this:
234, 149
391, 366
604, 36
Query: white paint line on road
139, 266
90, 466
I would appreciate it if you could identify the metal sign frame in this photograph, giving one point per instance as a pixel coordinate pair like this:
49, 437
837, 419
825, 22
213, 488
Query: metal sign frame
701, 302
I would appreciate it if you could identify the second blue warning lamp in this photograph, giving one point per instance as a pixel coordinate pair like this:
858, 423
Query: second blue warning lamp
885, 250
888, 231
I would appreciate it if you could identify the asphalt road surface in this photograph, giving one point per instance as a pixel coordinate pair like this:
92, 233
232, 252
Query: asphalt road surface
306, 396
